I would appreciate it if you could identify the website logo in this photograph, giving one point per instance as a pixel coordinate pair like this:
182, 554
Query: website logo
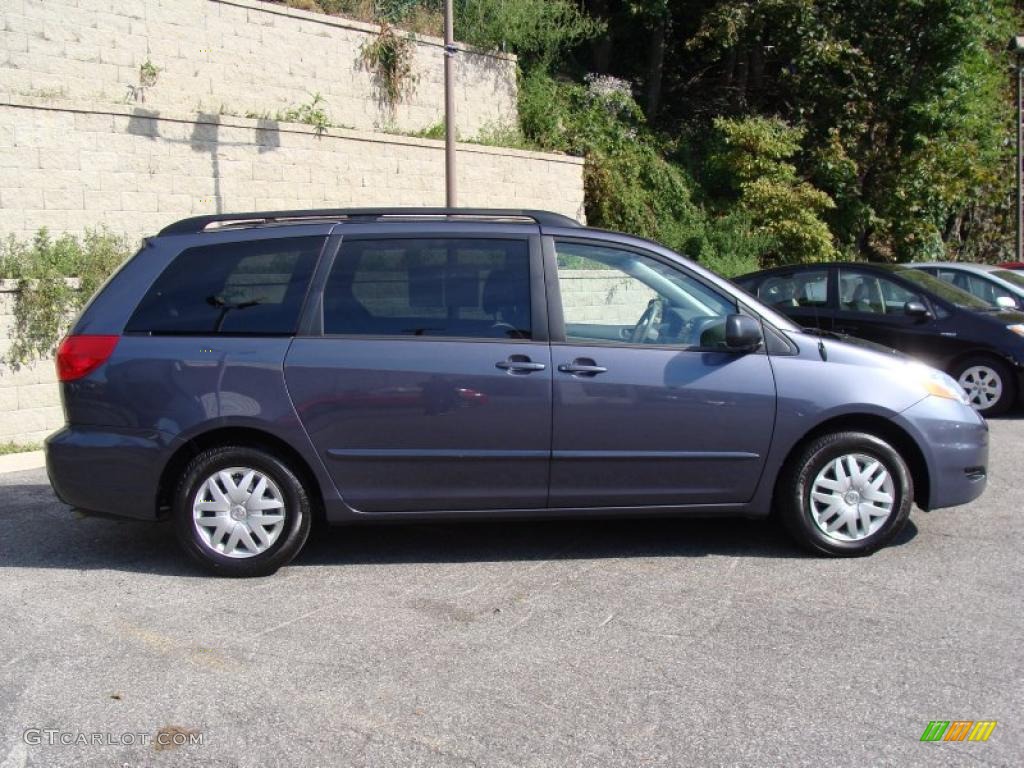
958, 730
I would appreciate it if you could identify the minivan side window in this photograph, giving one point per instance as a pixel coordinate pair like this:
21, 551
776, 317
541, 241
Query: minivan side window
614, 295
452, 287
254, 287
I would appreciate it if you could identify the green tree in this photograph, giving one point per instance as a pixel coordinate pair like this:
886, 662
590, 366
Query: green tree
903, 107
750, 161
540, 32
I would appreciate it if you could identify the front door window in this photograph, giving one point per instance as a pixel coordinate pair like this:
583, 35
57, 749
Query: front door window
611, 295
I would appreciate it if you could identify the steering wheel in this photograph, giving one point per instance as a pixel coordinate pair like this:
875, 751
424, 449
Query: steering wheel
648, 320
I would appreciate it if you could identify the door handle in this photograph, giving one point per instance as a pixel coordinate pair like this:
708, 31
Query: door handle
520, 364
582, 366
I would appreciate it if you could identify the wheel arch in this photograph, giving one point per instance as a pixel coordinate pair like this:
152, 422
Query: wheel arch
234, 435
881, 427
988, 354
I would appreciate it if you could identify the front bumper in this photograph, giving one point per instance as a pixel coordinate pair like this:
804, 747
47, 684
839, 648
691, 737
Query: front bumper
954, 441
107, 470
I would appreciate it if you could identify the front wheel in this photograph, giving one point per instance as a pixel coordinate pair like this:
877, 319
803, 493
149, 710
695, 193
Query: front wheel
988, 383
241, 511
845, 494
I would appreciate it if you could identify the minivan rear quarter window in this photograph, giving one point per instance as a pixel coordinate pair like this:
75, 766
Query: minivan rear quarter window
251, 288
470, 288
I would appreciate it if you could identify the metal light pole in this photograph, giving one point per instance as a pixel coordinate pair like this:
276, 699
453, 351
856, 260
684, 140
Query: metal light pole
451, 191
1017, 47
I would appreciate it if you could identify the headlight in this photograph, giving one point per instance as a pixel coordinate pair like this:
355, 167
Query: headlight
1017, 328
940, 384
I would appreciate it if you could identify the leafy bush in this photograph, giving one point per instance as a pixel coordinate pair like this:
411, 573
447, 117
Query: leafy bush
389, 57
539, 32
312, 113
750, 161
630, 185
56, 278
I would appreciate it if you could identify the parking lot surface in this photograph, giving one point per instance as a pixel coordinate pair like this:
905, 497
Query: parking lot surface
633, 643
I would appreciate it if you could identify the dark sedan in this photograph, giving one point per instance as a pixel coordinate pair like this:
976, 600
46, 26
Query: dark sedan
911, 311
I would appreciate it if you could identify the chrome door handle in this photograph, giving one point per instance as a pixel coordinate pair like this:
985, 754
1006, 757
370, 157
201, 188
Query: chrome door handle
520, 364
581, 368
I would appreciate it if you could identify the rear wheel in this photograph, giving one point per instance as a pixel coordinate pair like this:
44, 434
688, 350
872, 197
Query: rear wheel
241, 511
845, 494
988, 383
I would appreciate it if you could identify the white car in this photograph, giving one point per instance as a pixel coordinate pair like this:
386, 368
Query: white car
997, 286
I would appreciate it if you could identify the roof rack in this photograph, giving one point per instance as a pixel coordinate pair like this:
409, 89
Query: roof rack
197, 224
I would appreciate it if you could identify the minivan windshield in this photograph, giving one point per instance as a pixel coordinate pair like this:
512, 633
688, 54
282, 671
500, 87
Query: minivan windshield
943, 290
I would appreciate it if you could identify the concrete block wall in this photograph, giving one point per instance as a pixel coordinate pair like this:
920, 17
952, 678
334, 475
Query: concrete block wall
68, 167
602, 296
238, 56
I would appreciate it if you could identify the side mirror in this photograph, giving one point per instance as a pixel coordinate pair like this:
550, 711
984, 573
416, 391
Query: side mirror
917, 309
743, 333
1006, 302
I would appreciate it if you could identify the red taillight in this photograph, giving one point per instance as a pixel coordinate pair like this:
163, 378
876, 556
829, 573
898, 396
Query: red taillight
78, 356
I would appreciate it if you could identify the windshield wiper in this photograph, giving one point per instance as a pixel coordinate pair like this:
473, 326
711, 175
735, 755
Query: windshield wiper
227, 306
825, 334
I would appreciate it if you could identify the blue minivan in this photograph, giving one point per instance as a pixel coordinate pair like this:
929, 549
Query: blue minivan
245, 373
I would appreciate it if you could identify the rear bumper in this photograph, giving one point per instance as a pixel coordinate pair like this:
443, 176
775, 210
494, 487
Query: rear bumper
107, 470
954, 441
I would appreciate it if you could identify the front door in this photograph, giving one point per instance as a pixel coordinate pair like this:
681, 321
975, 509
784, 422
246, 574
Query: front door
650, 407
429, 388
872, 306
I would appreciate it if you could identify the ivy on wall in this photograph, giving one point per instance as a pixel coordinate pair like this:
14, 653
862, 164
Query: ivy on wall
55, 278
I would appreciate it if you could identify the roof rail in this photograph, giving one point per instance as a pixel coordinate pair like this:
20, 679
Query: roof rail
196, 224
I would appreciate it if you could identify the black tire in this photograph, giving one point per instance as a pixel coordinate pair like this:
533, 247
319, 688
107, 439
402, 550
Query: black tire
1006, 381
793, 496
297, 511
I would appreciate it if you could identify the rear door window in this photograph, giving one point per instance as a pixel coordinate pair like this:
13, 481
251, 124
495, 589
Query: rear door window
807, 288
255, 287
460, 287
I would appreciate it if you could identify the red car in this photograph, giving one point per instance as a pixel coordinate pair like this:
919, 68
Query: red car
1012, 265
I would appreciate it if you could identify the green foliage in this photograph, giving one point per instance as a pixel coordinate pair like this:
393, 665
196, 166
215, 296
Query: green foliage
630, 185
148, 73
312, 113
904, 108
751, 159
540, 32
55, 277
389, 56
8, 448
736, 245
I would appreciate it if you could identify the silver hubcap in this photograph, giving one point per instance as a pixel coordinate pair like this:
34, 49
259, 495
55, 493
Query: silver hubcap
238, 512
852, 497
982, 385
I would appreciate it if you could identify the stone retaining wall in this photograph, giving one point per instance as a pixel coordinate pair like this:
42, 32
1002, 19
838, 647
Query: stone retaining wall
237, 56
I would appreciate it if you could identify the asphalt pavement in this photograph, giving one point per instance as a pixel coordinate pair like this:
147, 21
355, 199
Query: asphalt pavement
619, 643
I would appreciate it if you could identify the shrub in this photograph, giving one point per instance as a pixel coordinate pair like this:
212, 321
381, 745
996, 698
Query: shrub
539, 32
56, 277
749, 163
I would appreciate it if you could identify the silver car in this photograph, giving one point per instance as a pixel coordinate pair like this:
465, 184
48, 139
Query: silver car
997, 286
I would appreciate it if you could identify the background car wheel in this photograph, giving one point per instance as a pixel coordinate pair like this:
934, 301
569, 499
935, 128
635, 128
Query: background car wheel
241, 511
989, 384
845, 494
